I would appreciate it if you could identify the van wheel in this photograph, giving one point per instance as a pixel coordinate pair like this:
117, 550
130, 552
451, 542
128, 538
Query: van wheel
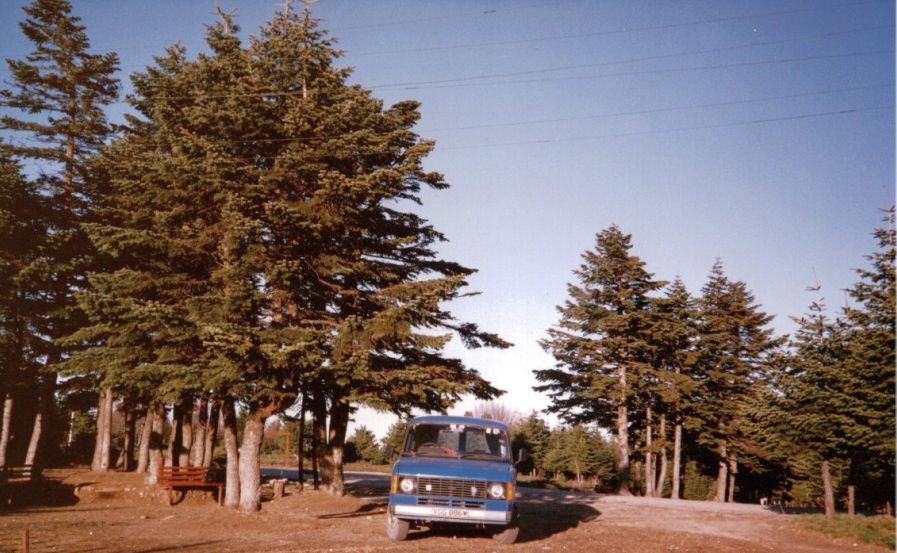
396, 528
509, 533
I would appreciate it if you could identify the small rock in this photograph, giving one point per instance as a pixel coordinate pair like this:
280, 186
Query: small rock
143, 517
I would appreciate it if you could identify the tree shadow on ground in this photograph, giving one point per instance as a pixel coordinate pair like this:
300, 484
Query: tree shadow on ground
43, 492
539, 519
377, 507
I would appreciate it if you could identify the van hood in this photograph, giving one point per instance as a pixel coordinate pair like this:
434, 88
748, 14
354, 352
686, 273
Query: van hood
446, 467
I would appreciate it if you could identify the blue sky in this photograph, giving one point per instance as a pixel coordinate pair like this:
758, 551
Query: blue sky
758, 132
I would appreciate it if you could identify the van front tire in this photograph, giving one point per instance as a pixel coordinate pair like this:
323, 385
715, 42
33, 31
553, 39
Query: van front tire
396, 528
509, 533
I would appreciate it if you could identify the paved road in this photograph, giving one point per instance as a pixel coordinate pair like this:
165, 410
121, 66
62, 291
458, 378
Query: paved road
375, 482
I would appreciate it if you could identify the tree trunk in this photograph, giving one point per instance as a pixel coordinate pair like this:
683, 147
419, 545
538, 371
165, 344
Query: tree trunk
5, 431
637, 484
623, 435
35, 436
325, 462
677, 458
721, 477
101, 423
250, 469
128, 446
301, 442
143, 450
662, 477
649, 455
155, 412
339, 421
211, 433
827, 487
851, 499
106, 435
186, 434
44, 407
315, 475
232, 482
733, 470
201, 418
176, 439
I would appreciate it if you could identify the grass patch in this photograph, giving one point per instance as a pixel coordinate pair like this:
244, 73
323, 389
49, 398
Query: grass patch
877, 530
367, 467
525, 481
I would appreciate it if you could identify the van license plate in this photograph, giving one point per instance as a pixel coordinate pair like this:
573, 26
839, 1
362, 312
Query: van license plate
449, 513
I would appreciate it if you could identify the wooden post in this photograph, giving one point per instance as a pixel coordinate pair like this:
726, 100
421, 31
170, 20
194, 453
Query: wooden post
314, 457
26, 541
301, 453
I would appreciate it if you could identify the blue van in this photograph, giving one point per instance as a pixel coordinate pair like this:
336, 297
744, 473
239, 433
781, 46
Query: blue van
454, 470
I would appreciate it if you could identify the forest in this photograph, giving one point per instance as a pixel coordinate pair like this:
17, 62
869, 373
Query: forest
244, 247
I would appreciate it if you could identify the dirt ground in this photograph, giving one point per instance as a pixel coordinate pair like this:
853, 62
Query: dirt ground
78, 511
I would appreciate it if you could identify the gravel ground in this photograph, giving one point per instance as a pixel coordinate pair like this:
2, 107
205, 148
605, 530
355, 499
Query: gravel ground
114, 513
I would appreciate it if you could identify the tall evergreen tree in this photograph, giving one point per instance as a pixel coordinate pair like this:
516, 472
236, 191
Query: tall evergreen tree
674, 336
22, 234
258, 243
870, 400
601, 343
349, 264
60, 90
732, 352
531, 434
811, 408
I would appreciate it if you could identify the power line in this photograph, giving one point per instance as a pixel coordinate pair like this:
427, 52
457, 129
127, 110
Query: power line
569, 36
797, 117
624, 30
649, 111
657, 56
423, 85
675, 129
663, 110
477, 13
420, 85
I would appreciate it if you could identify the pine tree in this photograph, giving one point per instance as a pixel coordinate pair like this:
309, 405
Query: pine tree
869, 400
263, 266
811, 408
60, 89
601, 343
358, 273
531, 434
673, 337
394, 442
365, 444
733, 347
22, 235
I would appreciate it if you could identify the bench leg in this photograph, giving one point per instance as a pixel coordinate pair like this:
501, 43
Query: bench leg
170, 497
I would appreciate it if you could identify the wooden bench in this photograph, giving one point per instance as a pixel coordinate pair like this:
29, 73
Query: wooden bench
184, 478
15, 476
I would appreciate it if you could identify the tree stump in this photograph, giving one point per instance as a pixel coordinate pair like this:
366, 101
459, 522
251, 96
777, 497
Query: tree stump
279, 486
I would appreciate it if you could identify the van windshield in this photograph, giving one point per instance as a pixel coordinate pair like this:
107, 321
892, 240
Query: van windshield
464, 441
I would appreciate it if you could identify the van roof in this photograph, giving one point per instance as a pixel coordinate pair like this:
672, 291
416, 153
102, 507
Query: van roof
459, 420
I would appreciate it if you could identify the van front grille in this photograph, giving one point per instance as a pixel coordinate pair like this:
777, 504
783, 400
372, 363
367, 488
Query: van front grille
446, 487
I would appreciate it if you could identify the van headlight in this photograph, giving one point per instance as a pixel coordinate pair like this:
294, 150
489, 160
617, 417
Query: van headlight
496, 490
407, 485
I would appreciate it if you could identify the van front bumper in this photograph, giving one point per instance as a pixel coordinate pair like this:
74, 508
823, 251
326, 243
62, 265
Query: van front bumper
492, 512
